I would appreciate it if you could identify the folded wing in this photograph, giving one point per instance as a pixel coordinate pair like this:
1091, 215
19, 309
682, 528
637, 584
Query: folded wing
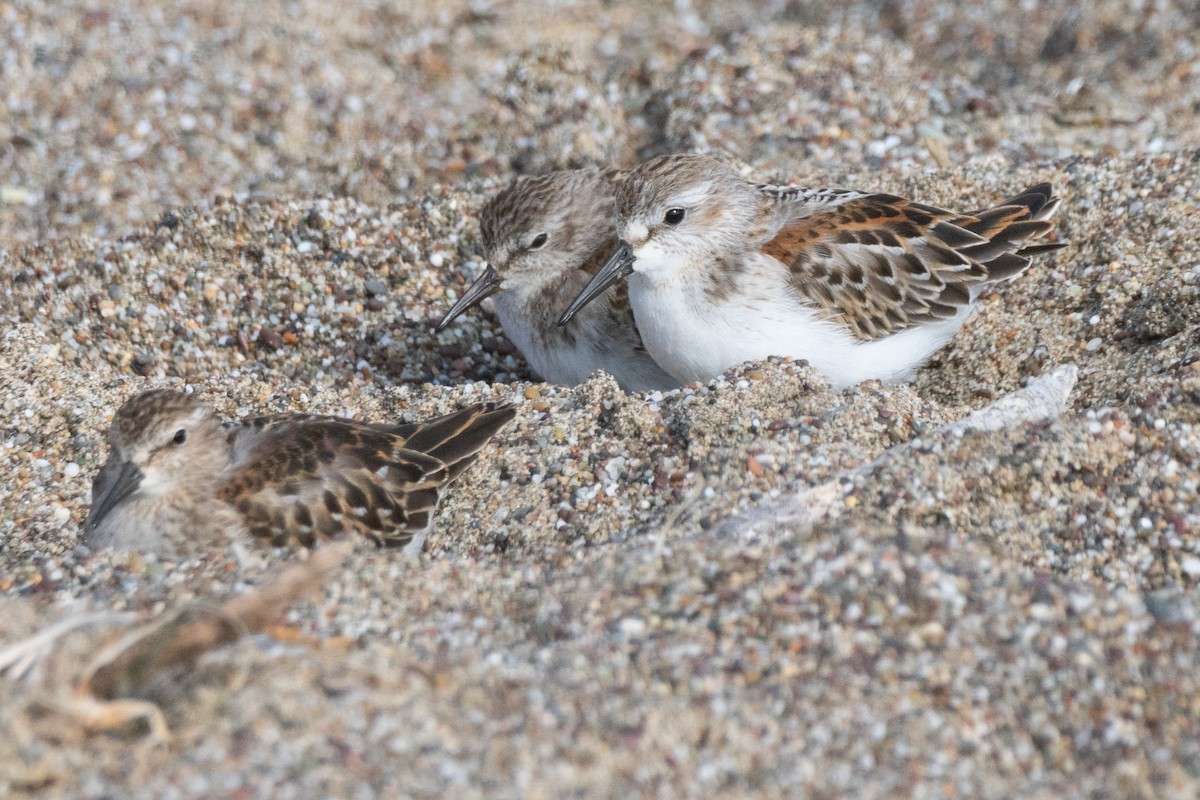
303, 478
881, 263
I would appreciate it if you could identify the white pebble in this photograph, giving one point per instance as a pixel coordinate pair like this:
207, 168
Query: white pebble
71, 470
877, 148
437, 260
1093, 345
633, 626
1190, 565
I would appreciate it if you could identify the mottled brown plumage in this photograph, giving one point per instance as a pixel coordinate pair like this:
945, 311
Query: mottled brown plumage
880, 263
177, 477
545, 236
861, 285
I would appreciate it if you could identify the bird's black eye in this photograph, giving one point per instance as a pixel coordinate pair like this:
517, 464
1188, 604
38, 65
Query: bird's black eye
674, 216
180, 437
539, 241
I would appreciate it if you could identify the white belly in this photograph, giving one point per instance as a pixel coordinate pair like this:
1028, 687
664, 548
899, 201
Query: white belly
571, 362
695, 339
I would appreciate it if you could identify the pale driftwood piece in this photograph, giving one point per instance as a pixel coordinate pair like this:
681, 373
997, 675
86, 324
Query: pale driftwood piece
128, 663
1045, 397
171, 639
107, 715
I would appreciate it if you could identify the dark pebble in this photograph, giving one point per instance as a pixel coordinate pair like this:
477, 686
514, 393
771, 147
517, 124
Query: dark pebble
270, 338
1062, 41
1167, 606
143, 364
314, 220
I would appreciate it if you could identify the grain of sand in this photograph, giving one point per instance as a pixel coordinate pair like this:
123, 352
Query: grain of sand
272, 207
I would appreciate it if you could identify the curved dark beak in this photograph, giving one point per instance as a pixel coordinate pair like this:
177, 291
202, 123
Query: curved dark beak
618, 266
117, 480
485, 285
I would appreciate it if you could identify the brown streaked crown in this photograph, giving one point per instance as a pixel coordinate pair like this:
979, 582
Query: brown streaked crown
655, 182
143, 414
560, 202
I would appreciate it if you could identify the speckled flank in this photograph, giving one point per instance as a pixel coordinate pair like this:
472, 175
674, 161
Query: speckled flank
993, 616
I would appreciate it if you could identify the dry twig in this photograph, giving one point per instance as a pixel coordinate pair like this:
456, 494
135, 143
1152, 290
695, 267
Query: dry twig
127, 664
100, 700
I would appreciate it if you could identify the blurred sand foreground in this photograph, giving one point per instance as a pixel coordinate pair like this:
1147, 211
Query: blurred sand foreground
273, 203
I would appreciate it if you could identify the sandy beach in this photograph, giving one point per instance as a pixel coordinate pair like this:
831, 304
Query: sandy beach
274, 203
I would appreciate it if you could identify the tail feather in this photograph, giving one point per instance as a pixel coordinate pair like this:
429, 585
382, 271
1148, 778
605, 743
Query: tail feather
1048, 210
1006, 266
1035, 199
1039, 249
1025, 229
993, 221
1009, 229
456, 438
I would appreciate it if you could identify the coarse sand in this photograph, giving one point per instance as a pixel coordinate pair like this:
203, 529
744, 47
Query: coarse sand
271, 204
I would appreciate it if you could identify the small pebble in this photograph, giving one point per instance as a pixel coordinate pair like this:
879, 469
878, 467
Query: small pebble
984, 615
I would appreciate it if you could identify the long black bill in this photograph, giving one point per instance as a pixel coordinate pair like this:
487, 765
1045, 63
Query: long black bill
618, 266
485, 285
117, 480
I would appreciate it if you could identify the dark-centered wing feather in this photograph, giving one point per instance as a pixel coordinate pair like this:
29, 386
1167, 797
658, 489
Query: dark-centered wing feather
299, 478
881, 263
